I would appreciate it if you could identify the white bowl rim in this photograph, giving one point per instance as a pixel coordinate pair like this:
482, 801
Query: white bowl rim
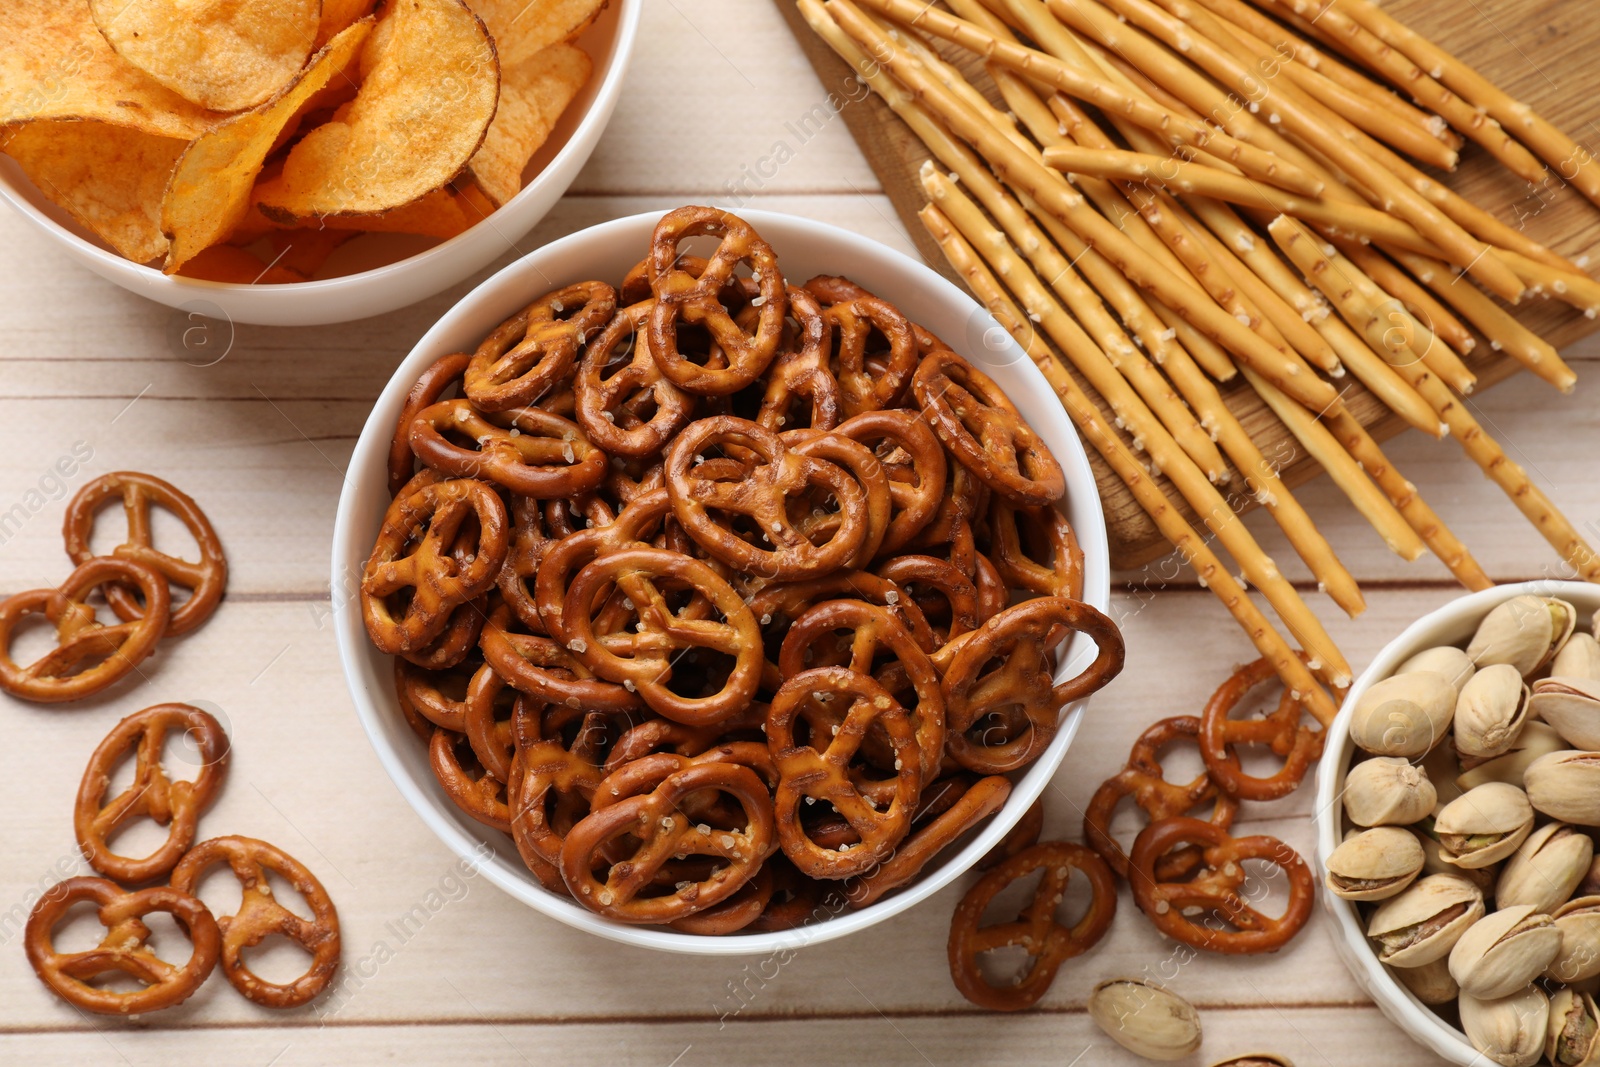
1350, 940
514, 879
143, 279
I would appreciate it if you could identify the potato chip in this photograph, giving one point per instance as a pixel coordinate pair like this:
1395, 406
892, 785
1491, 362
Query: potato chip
533, 94
225, 263
430, 83
442, 213
337, 14
210, 190
226, 55
521, 28
305, 251
55, 65
110, 178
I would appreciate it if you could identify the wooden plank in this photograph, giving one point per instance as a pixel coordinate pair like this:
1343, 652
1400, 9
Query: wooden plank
1313, 1037
1538, 50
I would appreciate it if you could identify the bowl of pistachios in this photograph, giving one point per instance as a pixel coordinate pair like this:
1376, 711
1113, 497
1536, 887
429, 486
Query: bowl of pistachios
1457, 812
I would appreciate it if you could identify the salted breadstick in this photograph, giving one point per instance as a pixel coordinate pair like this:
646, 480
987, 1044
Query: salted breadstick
1297, 678
1248, 20
1323, 447
1297, 115
1404, 496
1359, 109
1334, 275
1029, 173
1115, 367
1331, 21
1505, 333
1570, 159
1423, 305
1045, 68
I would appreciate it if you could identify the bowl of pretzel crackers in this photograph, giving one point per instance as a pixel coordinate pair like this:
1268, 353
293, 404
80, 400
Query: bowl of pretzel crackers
730, 605
289, 162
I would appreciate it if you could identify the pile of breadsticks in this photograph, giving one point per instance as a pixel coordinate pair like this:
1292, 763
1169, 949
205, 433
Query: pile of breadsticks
1179, 192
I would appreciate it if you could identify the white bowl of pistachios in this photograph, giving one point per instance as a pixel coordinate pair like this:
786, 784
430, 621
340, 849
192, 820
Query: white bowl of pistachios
1458, 803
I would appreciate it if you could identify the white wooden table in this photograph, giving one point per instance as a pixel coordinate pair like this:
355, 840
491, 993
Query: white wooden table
719, 94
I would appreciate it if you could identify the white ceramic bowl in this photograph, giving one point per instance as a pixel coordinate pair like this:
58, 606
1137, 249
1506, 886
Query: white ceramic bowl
804, 249
391, 282
1453, 624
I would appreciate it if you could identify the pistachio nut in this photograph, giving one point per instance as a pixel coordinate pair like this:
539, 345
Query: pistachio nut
1255, 1059
1579, 958
1434, 862
1421, 924
1387, 791
1431, 983
1510, 1031
1571, 705
1484, 825
1578, 658
1525, 631
1566, 785
1504, 951
1448, 660
1145, 1018
1374, 864
1545, 869
1490, 711
1574, 1037
1403, 715
1537, 739
1590, 884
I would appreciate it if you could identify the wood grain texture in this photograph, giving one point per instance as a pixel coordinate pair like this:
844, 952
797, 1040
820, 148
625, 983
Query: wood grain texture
1538, 50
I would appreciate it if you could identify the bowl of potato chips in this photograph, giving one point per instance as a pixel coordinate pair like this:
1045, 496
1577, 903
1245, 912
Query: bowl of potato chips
298, 162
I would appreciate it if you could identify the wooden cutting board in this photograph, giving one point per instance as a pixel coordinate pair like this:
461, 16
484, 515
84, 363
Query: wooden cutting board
1541, 51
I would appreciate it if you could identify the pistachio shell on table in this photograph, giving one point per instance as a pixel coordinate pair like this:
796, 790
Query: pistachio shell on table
1573, 1039
1504, 951
1374, 864
1510, 1031
1145, 1018
1536, 739
1571, 705
1387, 791
1545, 869
1404, 714
1526, 631
1484, 825
1566, 785
1578, 658
1490, 712
1579, 958
1423, 923
1431, 983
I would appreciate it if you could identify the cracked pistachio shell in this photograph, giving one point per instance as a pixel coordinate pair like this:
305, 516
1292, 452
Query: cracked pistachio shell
1571, 705
1403, 715
1435, 863
1490, 712
1578, 658
1422, 923
1574, 1036
1510, 1031
1431, 983
1579, 958
1537, 739
1484, 825
1255, 1059
1525, 631
1504, 951
1448, 660
1146, 1019
1566, 785
1374, 864
1387, 791
1545, 869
